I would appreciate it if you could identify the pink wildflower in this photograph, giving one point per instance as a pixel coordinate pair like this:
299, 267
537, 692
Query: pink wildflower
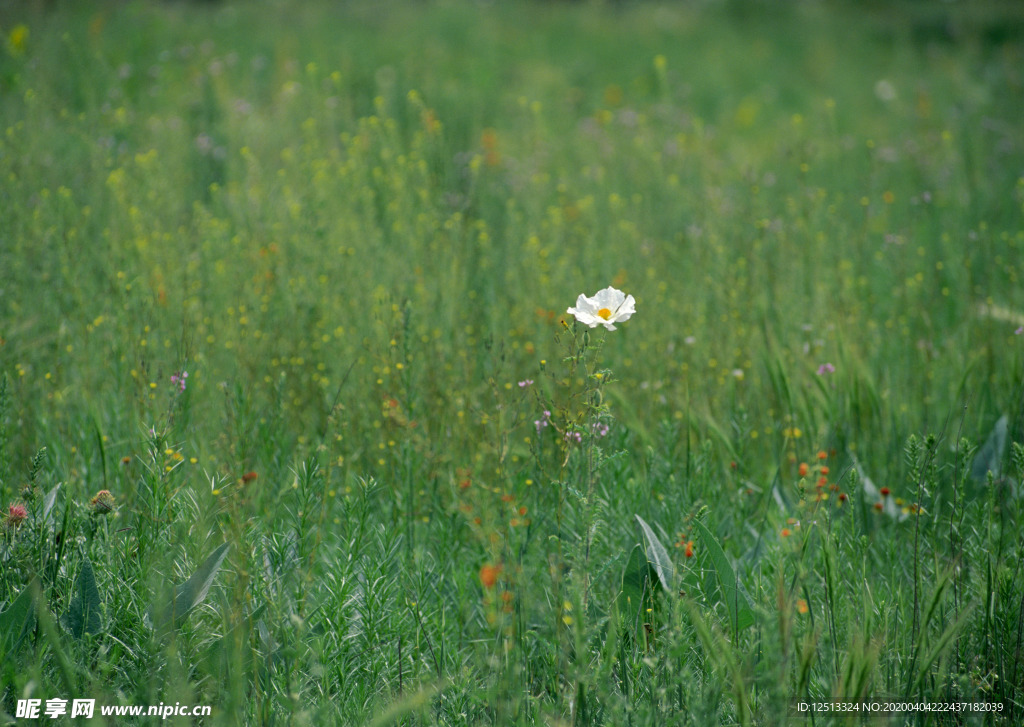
178, 379
16, 514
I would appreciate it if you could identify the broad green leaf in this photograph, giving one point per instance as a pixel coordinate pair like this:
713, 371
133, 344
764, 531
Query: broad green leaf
741, 615
189, 594
18, 620
990, 456
49, 501
657, 556
83, 614
637, 585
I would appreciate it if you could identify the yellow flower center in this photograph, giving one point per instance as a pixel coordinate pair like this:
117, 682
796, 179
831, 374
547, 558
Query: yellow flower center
605, 313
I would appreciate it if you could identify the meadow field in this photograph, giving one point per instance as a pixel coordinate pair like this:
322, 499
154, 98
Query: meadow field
295, 423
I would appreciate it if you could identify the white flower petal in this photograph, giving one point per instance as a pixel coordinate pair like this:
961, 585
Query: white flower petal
584, 316
614, 304
609, 298
584, 303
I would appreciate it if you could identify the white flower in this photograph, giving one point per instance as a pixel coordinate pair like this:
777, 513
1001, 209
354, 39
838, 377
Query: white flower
607, 307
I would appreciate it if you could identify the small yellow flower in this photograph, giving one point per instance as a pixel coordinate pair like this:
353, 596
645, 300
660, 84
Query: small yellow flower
17, 39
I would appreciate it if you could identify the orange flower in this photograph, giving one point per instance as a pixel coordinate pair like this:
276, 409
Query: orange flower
786, 532
824, 470
885, 491
249, 476
689, 549
879, 506
801, 605
822, 455
802, 471
489, 141
489, 575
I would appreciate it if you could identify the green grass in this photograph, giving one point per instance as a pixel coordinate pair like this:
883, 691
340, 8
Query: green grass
358, 226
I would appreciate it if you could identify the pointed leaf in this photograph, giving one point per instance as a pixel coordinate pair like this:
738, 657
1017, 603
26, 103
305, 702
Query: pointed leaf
18, 620
741, 615
990, 456
49, 501
189, 594
657, 556
83, 614
781, 498
637, 584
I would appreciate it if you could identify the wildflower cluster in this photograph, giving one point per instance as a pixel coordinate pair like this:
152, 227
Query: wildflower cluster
178, 379
897, 507
824, 487
686, 544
